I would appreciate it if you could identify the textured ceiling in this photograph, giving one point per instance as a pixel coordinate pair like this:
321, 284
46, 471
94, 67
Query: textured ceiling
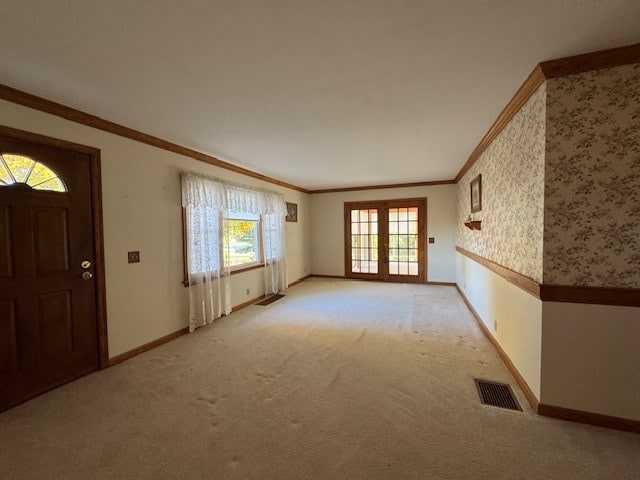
319, 94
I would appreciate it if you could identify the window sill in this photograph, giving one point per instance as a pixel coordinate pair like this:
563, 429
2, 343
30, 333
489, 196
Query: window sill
185, 282
246, 269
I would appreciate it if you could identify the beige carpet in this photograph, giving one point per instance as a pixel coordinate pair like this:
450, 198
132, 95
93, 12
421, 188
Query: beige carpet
338, 380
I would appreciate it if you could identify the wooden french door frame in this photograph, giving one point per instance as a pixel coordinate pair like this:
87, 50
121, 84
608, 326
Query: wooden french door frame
383, 206
98, 232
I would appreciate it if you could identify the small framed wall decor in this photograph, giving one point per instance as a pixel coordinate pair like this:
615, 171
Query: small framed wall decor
292, 212
476, 194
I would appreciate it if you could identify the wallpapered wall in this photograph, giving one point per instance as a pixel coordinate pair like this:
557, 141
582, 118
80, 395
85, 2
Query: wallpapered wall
512, 169
592, 179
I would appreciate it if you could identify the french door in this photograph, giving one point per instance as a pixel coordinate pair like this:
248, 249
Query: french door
385, 240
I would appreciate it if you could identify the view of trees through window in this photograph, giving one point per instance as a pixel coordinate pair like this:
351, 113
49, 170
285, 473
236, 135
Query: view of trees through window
241, 242
400, 240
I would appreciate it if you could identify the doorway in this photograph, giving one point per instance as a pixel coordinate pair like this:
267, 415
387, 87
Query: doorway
52, 321
386, 240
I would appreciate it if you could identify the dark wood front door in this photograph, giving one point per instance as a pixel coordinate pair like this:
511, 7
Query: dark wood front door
48, 330
385, 240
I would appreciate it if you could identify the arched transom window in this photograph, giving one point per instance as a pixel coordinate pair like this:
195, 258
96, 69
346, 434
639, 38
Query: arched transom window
24, 171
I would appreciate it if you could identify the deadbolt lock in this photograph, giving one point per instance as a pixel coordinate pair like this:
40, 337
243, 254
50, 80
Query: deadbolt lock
87, 275
85, 264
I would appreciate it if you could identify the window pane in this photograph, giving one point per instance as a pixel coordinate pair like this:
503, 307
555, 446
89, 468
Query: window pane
364, 240
403, 268
55, 184
4, 174
241, 242
393, 268
20, 169
20, 166
40, 174
413, 268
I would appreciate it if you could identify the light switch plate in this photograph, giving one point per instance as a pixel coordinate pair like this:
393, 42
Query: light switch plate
133, 257
432, 240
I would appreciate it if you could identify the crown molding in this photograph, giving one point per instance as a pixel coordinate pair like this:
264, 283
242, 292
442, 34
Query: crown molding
528, 88
560, 67
587, 62
19, 97
390, 185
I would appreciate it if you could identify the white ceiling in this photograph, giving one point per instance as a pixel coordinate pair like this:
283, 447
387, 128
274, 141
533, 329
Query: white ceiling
317, 93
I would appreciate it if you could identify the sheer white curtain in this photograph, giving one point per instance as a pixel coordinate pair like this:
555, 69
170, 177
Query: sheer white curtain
209, 280
207, 201
272, 209
275, 267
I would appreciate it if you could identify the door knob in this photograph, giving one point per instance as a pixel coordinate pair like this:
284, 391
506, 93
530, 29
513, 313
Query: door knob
87, 275
85, 264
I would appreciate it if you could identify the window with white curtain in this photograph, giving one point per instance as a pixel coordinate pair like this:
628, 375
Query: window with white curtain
228, 227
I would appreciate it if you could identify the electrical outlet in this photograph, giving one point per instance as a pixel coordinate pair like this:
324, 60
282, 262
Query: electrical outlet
432, 240
248, 291
495, 325
133, 257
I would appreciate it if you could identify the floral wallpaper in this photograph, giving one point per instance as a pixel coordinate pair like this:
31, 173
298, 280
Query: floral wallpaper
592, 179
512, 169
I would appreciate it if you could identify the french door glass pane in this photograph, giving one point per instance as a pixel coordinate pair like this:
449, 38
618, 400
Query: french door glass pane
403, 241
364, 241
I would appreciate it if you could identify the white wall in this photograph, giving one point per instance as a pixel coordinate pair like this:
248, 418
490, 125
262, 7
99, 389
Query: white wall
516, 313
591, 358
142, 211
576, 356
327, 227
